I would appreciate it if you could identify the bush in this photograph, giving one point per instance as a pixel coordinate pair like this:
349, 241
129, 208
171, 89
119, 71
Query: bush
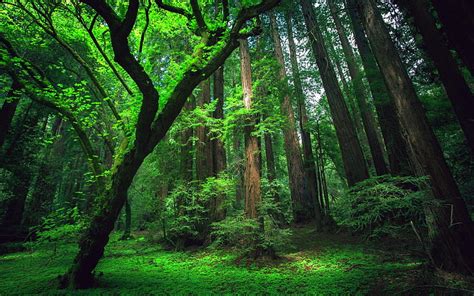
382, 206
61, 225
186, 217
249, 235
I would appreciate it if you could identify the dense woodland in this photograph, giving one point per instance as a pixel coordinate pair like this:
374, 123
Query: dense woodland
205, 147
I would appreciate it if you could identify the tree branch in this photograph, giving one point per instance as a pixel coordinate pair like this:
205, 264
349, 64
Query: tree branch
174, 9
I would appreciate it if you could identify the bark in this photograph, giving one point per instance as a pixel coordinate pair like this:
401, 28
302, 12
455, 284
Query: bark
302, 195
451, 228
219, 156
252, 190
353, 158
454, 83
204, 160
150, 128
186, 149
8, 111
457, 18
308, 156
389, 124
217, 145
360, 94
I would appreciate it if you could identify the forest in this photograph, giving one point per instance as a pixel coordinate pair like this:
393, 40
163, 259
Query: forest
236, 147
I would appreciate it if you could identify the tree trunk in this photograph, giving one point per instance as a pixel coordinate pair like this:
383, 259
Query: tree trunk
203, 146
451, 229
389, 124
353, 158
219, 156
302, 196
308, 156
454, 83
252, 191
218, 150
457, 18
8, 111
360, 94
93, 241
186, 149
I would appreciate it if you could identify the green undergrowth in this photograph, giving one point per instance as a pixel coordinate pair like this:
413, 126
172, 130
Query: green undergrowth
315, 264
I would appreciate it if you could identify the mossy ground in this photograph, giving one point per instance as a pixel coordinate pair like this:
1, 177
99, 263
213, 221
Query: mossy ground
316, 264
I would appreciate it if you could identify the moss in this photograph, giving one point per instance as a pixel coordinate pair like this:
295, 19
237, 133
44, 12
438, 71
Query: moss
136, 267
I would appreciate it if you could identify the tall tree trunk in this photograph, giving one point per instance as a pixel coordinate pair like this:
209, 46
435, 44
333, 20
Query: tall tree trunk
457, 18
451, 228
360, 94
252, 191
308, 156
203, 146
454, 83
186, 157
302, 200
353, 158
218, 150
8, 111
389, 124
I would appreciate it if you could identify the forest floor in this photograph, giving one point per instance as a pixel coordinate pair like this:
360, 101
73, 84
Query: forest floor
322, 264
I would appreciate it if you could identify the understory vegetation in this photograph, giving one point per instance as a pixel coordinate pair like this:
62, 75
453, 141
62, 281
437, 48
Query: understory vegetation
251, 147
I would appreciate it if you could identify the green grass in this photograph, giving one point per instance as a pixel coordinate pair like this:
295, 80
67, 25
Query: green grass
324, 265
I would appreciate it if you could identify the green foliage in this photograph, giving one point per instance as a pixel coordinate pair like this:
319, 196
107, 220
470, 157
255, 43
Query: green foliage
250, 235
187, 207
64, 224
382, 206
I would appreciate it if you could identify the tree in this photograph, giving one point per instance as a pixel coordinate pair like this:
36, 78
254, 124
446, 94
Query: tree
384, 105
151, 127
360, 94
303, 201
451, 229
353, 158
252, 190
454, 83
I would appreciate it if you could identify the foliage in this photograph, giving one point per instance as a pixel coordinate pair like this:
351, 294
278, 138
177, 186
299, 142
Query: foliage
64, 224
186, 208
382, 206
251, 235
136, 267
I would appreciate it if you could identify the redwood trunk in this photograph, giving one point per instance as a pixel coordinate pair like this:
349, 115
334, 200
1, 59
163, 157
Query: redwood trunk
308, 156
361, 96
8, 111
252, 191
451, 229
457, 17
302, 200
203, 146
454, 83
389, 124
352, 156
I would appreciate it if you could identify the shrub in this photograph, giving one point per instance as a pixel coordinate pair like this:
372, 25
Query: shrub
64, 224
382, 206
